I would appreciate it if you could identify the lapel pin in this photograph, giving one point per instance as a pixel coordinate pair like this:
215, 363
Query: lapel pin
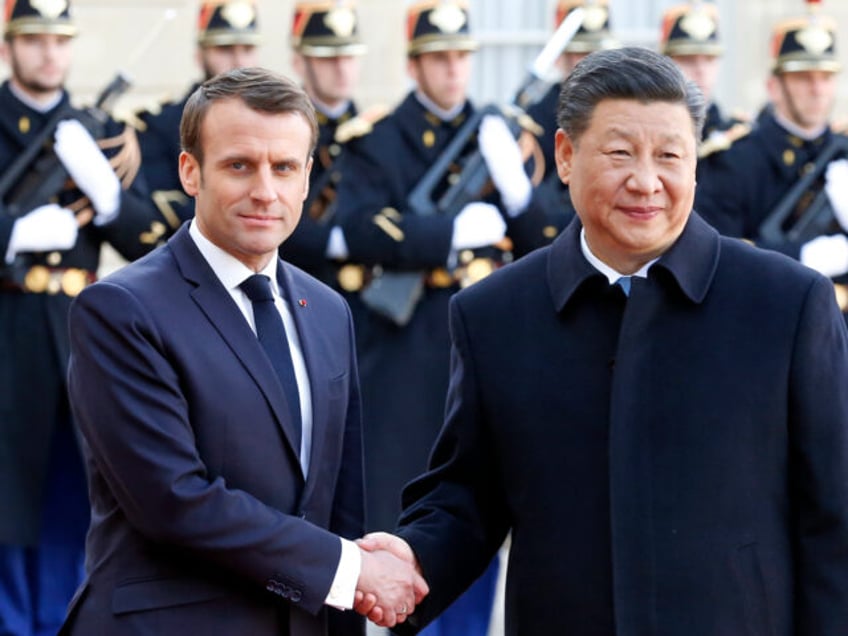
302, 302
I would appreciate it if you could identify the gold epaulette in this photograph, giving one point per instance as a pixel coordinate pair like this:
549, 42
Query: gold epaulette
135, 117
362, 124
525, 121
723, 139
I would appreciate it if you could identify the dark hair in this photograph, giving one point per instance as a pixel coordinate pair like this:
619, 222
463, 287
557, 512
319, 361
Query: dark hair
258, 88
627, 73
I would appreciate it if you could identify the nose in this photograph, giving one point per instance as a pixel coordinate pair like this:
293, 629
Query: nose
262, 188
644, 178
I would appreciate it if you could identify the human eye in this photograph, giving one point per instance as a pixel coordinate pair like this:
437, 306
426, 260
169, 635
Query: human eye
286, 166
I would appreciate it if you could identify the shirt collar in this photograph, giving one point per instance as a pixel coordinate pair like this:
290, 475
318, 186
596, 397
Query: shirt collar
229, 270
441, 113
611, 274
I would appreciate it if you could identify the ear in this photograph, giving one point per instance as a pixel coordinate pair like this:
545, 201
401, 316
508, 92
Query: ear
5, 54
189, 173
412, 68
563, 154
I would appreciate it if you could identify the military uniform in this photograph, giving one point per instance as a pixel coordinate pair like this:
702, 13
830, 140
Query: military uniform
220, 23
42, 487
740, 186
737, 201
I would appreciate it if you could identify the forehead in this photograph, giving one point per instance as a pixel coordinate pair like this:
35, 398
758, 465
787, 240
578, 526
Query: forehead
630, 117
231, 123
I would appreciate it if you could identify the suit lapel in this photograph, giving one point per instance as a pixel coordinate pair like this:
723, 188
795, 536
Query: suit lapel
226, 318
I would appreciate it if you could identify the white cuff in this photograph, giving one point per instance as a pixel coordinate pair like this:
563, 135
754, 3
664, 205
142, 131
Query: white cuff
343, 589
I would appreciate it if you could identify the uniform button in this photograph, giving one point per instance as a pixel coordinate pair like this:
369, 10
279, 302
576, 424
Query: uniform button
295, 596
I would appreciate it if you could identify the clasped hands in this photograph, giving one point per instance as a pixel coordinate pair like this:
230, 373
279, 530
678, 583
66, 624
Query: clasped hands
390, 583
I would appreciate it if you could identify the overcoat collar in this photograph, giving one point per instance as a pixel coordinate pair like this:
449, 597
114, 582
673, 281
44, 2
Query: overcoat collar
692, 261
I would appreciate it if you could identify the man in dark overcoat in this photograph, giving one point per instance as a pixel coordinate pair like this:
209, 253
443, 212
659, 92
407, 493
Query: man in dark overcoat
656, 413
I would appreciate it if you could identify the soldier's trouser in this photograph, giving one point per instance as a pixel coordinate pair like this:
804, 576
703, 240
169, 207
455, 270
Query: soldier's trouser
469, 614
37, 582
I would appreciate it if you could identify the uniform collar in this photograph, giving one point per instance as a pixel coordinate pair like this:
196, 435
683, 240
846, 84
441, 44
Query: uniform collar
691, 262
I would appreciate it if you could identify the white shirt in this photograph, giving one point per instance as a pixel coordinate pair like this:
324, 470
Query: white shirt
611, 274
232, 273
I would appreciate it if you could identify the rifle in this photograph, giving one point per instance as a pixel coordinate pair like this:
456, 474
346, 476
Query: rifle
805, 211
395, 294
37, 175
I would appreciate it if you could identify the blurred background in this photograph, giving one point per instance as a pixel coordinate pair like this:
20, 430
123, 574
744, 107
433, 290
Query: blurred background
511, 32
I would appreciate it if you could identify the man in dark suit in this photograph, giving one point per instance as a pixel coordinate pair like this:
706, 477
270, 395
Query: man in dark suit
225, 471
658, 414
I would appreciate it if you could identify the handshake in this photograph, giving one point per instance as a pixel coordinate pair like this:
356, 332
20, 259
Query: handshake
390, 583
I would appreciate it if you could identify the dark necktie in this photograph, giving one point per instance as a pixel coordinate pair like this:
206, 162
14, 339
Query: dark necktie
271, 332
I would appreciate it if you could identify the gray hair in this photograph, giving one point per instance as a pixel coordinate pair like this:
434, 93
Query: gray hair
627, 73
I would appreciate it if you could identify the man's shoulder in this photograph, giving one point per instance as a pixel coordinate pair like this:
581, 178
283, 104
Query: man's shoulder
756, 267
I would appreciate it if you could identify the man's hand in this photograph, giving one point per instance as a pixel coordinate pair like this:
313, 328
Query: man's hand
827, 255
478, 224
48, 227
390, 583
89, 168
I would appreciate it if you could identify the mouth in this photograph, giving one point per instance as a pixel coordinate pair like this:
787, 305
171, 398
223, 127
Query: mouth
261, 219
640, 212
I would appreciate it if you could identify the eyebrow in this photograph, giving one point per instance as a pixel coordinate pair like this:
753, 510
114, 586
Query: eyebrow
621, 132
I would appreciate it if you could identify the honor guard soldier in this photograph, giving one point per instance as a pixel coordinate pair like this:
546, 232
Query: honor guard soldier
783, 186
689, 35
417, 259
594, 34
67, 186
327, 51
227, 38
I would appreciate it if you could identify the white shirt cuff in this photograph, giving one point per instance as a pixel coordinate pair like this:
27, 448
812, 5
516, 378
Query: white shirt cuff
343, 589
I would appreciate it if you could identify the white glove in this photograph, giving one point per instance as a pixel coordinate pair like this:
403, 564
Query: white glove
477, 225
827, 255
336, 245
48, 227
506, 167
836, 187
89, 169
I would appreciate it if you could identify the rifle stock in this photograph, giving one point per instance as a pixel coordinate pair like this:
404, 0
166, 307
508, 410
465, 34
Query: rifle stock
37, 175
817, 218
